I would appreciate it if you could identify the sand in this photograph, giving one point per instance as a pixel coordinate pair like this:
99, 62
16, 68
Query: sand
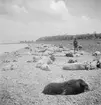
23, 84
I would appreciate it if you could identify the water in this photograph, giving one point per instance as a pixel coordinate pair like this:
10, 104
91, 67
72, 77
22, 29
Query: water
11, 47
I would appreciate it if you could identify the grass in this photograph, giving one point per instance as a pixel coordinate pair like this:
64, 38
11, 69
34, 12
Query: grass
24, 86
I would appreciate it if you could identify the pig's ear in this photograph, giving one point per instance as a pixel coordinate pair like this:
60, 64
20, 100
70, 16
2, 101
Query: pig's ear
82, 83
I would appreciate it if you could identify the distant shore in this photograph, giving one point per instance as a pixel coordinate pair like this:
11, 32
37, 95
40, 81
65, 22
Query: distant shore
15, 43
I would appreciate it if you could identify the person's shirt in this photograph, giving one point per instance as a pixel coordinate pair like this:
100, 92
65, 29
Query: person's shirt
75, 43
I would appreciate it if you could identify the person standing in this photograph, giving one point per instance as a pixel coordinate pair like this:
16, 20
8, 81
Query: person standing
75, 44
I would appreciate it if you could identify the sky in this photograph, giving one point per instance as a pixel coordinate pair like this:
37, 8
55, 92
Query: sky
32, 19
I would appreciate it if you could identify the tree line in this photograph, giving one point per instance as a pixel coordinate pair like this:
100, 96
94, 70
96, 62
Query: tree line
71, 37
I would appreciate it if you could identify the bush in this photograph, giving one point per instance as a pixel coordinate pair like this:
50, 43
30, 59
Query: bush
27, 48
52, 57
60, 46
72, 61
69, 55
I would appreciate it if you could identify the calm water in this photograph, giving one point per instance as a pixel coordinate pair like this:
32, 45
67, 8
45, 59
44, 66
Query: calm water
11, 47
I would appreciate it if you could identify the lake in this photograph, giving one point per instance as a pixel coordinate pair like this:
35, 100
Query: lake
11, 47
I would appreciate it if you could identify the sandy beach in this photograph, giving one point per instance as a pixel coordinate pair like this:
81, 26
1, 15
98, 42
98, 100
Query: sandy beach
21, 82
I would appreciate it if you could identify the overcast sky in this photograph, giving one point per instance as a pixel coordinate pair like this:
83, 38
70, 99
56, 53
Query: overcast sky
31, 19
